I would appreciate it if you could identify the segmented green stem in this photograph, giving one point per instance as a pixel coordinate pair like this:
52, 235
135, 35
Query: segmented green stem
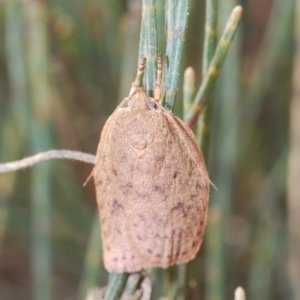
177, 14
294, 167
148, 44
269, 241
208, 83
93, 260
210, 38
239, 294
223, 143
10, 147
276, 35
210, 43
38, 69
16, 63
131, 33
148, 49
116, 284
132, 284
188, 91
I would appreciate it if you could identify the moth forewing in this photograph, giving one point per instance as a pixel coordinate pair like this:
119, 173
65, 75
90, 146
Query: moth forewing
151, 183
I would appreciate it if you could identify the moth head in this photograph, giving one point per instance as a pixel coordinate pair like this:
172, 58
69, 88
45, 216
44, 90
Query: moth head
139, 100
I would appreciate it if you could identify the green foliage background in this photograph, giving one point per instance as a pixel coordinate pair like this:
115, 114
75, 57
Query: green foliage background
64, 66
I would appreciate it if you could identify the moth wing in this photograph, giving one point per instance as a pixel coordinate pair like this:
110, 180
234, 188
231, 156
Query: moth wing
113, 175
172, 219
152, 191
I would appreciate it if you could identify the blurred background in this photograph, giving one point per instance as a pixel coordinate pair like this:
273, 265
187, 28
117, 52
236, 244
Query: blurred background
64, 66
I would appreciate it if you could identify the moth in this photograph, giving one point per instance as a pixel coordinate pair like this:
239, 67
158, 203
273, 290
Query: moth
151, 183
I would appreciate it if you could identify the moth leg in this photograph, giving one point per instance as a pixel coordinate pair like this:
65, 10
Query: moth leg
139, 75
157, 91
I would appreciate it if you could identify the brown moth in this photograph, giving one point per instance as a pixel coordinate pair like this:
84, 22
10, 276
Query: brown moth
152, 185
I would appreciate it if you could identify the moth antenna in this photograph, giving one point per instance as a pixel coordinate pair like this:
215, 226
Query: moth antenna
157, 91
139, 75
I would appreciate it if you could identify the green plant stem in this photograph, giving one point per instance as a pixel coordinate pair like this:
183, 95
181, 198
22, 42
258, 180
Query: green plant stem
208, 83
19, 112
188, 91
93, 255
273, 44
93, 260
294, 168
132, 284
116, 284
223, 147
210, 38
148, 44
142, 44
167, 282
210, 43
131, 34
188, 97
269, 241
214, 275
148, 49
111, 33
9, 150
176, 17
40, 140
239, 294
16, 63
170, 21
160, 13
181, 281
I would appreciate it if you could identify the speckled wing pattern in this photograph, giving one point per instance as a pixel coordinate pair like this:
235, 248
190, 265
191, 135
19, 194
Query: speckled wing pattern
152, 188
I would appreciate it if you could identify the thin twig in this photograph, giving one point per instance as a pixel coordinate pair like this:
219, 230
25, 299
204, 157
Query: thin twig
149, 46
293, 189
92, 261
210, 38
264, 71
116, 284
239, 294
39, 138
130, 31
188, 91
216, 64
209, 49
52, 154
132, 286
177, 11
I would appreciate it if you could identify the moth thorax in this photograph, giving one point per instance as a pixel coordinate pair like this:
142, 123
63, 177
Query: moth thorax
139, 101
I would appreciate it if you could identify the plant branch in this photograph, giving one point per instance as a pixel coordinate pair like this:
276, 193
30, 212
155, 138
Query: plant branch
116, 284
148, 44
43, 156
174, 50
132, 284
210, 38
239, 294
216, 64
148, 49
92, 262
188, 91
209, 49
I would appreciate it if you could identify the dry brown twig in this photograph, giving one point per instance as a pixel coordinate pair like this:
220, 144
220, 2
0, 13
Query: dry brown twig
43, 156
